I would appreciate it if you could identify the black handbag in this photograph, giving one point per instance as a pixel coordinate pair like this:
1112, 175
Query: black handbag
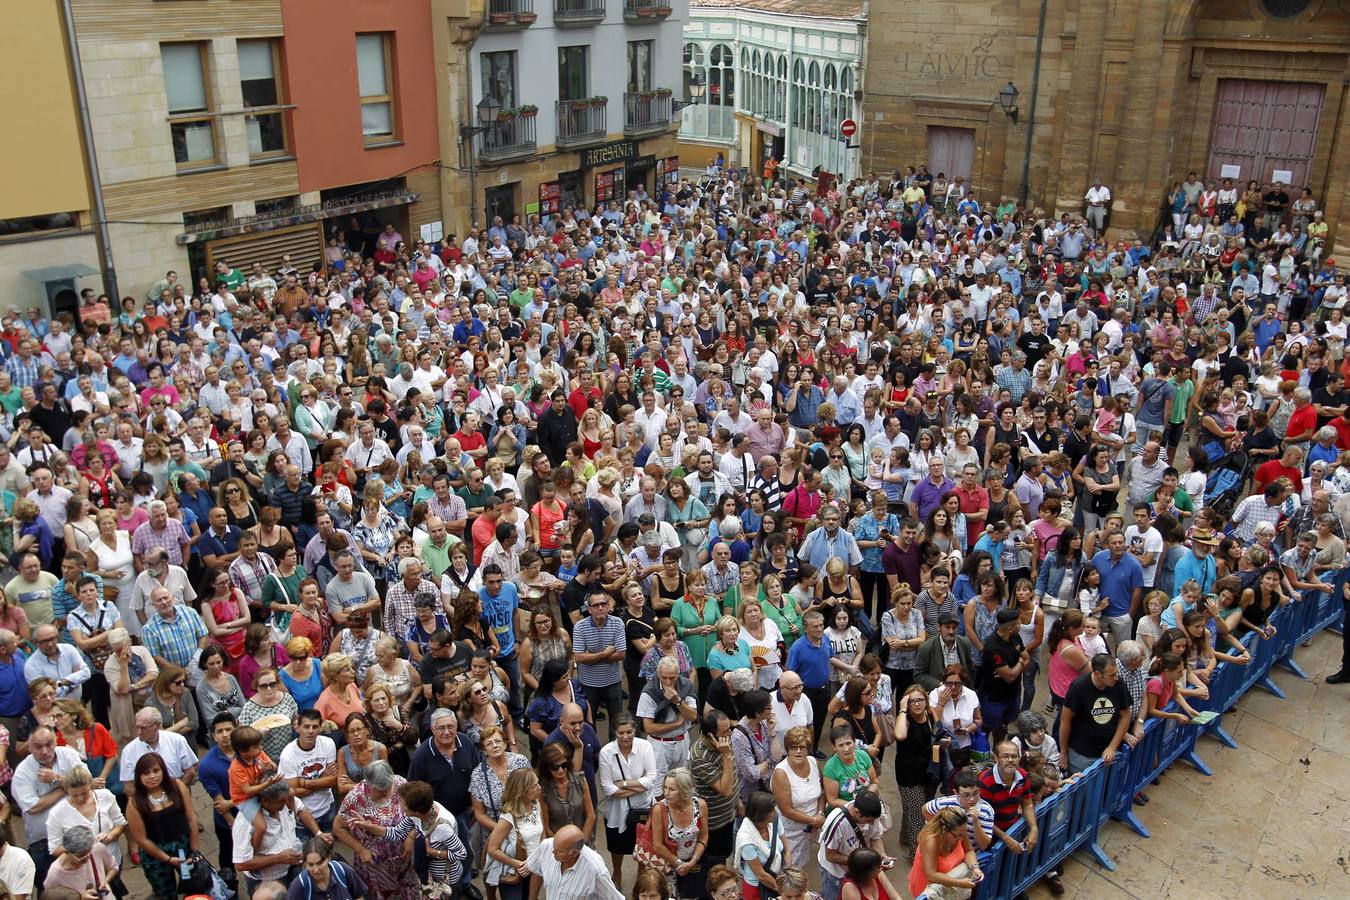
199, 879
634, 817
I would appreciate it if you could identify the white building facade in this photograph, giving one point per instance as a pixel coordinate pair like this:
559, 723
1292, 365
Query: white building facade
773, 78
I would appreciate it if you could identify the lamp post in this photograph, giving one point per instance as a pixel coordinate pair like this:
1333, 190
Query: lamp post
695, 93
487, 110
1007, 99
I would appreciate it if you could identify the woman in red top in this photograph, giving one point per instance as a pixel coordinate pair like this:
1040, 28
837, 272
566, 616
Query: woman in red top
546, 519
1162, 690
76, 729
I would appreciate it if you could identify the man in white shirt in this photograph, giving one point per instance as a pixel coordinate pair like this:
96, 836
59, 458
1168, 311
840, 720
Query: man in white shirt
790, 708
16, 870
733, 418
1098, 198
309, 763
62, 663
152, 738
1145, 542
572, 870
37, 788
667, 706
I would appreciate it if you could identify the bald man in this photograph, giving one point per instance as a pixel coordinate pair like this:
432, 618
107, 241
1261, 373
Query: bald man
571, 869
580, 741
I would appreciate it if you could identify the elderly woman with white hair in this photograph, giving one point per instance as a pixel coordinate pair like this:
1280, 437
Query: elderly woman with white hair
382, 865
85, 862
131, 672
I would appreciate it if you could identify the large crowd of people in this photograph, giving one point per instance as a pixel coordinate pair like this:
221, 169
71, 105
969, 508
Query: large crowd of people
766, 484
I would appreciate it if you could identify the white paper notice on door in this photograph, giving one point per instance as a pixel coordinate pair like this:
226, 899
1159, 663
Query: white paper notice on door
1230, 172
1283, 176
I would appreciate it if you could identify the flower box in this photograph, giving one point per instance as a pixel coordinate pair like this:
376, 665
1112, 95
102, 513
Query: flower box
664, 11
526, 18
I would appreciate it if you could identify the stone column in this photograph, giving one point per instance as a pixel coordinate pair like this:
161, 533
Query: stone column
1145, 126
1074, 148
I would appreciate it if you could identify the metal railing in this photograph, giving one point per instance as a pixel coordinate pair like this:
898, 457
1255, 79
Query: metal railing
646, 10
577, 12
509, 136
580, 122
645, 111
503, 13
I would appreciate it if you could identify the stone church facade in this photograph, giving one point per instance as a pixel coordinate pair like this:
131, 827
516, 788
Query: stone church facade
1135, 93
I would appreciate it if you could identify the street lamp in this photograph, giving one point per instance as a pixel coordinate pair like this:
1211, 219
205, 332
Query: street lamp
1007, 98
696, 88
487, 110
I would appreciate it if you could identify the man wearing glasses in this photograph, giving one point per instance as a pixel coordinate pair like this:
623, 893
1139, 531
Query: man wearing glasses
446, 761
62, 663
599, 643
179, 759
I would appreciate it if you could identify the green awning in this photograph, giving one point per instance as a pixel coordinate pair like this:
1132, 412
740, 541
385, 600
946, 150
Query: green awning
60, 273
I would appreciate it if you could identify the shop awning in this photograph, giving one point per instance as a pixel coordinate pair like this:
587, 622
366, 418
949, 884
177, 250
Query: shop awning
59, 273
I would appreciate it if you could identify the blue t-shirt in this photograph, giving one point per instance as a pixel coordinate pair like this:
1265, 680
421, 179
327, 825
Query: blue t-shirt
500, 613
1119, 580
812, 663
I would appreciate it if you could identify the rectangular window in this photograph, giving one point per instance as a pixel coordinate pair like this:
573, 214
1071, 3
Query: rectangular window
499, 77
574, 81
375, 76
639, 66
258, 80
185, 86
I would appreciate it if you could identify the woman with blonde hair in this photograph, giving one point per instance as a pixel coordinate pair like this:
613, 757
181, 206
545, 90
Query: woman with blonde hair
341, 697
731, 650
517, 834
390, 726
763, 638
31, 534
302, 676
88, 803
945, 859
679, 823
394, 672
800, 793
109, 557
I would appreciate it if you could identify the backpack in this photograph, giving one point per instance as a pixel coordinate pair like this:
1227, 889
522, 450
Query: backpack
335, 869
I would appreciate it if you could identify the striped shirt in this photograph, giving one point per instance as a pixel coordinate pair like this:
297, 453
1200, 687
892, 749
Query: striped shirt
983, 811
443, 836
249, 575
171, 538
587, 637
1005, 799
841, 836
705, 763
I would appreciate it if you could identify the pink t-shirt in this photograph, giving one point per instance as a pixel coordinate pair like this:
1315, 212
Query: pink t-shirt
94, 872
1047, 533
1162, 689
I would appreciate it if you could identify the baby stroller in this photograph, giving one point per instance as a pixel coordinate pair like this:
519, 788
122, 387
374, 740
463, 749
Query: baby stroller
1224, 486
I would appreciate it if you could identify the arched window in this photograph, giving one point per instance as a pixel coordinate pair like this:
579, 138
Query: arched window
693, 62
721, 90
831, 116
780, 90
813, 99
798, 94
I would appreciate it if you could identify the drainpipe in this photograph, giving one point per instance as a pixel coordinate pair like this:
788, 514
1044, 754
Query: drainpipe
1031, 117
105, 255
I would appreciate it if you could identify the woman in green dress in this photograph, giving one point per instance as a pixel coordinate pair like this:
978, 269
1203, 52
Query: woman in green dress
781, 608
695, 617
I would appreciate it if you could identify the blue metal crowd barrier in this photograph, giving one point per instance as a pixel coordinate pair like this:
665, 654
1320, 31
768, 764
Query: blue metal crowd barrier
1070, 819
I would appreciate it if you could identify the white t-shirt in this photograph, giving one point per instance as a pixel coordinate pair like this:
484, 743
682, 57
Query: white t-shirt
1149, 541
296, 762
278, 836
17, 871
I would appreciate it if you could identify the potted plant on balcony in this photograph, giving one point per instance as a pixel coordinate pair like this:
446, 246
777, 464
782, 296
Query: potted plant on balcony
499, 18
529, 111
580, 104
598, 102
506, 115
645, 9
663, 10
526, 17
663, 92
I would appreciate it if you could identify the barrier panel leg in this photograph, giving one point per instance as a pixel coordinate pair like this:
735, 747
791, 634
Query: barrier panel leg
1266, 682
1215, 730
1132, 821
1196, 762
1099, 856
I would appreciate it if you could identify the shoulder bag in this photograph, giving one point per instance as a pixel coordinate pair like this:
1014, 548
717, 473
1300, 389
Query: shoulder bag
634, 817
279, 624
643, 850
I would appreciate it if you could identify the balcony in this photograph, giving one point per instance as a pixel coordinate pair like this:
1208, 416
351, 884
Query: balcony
509, 15
510, 136
581, 122
651, 11
577, 13
646, 112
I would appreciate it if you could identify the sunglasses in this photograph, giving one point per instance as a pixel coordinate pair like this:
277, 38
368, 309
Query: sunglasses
262, 686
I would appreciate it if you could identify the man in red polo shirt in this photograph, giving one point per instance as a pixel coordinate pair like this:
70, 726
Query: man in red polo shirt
1303, 421
974, 502
1290, 466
